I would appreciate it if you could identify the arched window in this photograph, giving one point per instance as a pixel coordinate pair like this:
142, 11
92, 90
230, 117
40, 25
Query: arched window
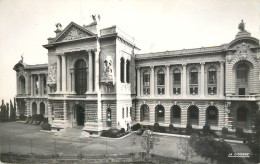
127, 71
145, 114
175, 114
122, 70
22, 85
146, 83
241, 114
159, 113
176, 81
80, 77
212, 116
212, 81
242, 71
34, 108
193, 81
193, 115
42, 108
160, 82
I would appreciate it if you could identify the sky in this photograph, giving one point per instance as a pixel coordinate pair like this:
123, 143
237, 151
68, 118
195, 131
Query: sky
157, 25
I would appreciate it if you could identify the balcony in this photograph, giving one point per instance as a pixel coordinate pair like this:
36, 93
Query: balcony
241, 97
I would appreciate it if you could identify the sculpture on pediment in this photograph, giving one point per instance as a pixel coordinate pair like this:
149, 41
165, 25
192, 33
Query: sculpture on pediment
241, 26
52, 69
108, 71
21, 61
74, 34
58, 26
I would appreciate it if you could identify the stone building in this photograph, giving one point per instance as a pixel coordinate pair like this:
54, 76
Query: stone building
96, 78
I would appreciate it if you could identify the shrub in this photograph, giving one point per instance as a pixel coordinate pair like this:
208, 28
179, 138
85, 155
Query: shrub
189, 129
224, 131
161, 129
136, 127
39, 117
206, 130
46, 126
179, 131
156, 127
22, 117
171, 128
122, 130
239, 132
113, 133
45, 120
140, 131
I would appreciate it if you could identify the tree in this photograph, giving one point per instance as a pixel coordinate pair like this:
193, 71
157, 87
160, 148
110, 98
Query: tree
12, 112
185, 148
148, 141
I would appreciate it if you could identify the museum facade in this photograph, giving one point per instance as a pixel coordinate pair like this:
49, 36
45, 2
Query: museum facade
95, 78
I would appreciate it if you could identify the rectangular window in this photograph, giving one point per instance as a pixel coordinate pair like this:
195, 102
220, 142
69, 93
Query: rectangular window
176, 78
126, 112
193, 90
242, 91
161, 90
123, 113
146, 90
212, 90
146, 79
212, 77
176, 91
194, 78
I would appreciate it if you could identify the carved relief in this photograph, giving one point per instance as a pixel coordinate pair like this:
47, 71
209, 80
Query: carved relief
243, 50
52, 69
74, 34
108, 71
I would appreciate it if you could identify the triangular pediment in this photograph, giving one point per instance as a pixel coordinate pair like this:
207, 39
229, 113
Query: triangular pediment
73, 32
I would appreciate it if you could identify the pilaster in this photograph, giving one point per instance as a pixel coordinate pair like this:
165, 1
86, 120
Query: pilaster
64, 75
221, 89
184, 81
152, 81
167, 84
138, 82
202, 80
58, 74
90, 72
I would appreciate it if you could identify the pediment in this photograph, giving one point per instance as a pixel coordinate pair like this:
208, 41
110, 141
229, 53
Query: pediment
73, 32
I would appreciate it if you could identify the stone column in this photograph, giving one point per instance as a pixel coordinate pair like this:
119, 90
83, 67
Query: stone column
58, 74
138, 82
184, 80
65, 110
27, 84
72, 87
167, 80
221, 76
97, 70
64, 75
152, 81
32, 85
38, 107
90, 72
125, 72
17, 84
202, 80
39, 84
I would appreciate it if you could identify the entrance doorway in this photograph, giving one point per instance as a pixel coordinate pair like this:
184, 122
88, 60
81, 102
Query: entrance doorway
79, 115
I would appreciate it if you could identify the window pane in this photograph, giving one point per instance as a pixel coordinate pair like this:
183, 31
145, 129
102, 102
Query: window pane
194, 77
146, 79
176, 79
161, 79
212, 77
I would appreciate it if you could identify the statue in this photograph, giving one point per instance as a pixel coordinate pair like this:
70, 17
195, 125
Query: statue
21, 61
241, 26
58, 26
108, 71
94, 17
